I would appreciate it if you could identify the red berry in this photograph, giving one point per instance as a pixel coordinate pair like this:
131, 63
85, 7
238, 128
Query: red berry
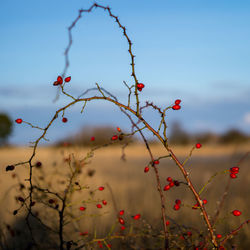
59, 80
10, 168
19, 120
140, 85
169, 179
121, 212
198, 145
118, 129
21, 199
104, 202
177, 102
236, 213
176, 107
233, 176
92, 138
121, 221
218, 236
195, 206
137, 217
114, 137
146, 169
101, 188
99, 206
167, 222
67, 79
156, 162
139, 89
38, 164
56, 83
178, 202
176, 207
171, 184
167, 187
204, 201
82, 208
122, 228
64, 119
189, 233
234, 170
176, 183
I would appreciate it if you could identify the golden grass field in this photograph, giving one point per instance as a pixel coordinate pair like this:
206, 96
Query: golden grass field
128, 187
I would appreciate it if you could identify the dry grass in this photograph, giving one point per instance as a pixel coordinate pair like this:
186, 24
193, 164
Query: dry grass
133, 190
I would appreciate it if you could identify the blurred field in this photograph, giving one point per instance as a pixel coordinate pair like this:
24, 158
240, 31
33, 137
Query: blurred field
131, 189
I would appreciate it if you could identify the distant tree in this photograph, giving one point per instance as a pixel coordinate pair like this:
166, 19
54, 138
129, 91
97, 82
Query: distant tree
5, 128
178, 135
234, 136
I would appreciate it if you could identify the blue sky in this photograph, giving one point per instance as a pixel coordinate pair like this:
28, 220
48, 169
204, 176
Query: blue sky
197, 51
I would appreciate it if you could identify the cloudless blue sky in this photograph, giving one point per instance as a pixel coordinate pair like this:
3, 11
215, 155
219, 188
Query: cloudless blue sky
194, 50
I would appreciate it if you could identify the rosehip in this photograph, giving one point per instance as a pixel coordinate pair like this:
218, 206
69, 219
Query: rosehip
64, 119
59, 80
122, 228
51, 201
233, 176
99, 206
171, 184
121, 212
137, 217
169, 179
10, 168
19, 121
176, 107
92, 138
82, 208
176, 183
167, 187
204, 201
67, 79
178, 202
234, 170
121, 221
198, 145
167, 222
101, 188
236, 213
156, 162
218, 236
104, 202
114, 137
176, 207
140, 85
146, 169
38, 164
177, 102
118, 129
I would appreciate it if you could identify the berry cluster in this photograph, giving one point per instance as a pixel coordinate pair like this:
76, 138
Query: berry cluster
59, 80
233, 172
140, 86
177, 204
177, 105
170, 184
